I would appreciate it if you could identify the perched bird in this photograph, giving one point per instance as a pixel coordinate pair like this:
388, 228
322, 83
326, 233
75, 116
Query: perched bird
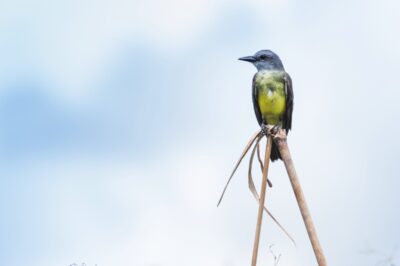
272, 93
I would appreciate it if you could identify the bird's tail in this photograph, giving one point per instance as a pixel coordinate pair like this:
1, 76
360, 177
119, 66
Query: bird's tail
275, 155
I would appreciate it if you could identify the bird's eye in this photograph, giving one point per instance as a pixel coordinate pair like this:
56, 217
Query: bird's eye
263, 57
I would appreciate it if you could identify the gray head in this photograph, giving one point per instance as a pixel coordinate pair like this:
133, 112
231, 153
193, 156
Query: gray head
264, 60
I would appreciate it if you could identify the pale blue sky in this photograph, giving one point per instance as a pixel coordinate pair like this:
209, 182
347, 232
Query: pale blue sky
120, 122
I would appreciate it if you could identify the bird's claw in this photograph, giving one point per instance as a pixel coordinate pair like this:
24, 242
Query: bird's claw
265, 129
274, 130
268, 130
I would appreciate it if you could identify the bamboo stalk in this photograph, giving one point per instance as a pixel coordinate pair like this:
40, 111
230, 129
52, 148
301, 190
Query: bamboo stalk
280, 140
262, 200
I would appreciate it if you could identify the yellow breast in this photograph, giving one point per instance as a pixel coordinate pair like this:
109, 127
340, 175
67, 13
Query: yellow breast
271, 99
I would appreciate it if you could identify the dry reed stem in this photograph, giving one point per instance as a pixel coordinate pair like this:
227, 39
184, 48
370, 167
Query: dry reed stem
280, 140
262, 200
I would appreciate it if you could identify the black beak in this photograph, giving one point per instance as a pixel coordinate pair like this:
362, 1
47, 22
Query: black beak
250, 59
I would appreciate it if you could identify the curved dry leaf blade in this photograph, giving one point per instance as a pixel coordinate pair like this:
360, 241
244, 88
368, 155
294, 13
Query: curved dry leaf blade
261, 163
246, 149
279, 225
252, 187
259, 157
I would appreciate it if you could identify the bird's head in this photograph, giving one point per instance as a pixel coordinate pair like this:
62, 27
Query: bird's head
264, 60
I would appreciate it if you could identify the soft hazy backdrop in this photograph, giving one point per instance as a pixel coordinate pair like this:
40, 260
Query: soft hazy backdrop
121, 120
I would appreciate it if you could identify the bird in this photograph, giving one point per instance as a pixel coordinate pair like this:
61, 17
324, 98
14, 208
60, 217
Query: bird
272, 94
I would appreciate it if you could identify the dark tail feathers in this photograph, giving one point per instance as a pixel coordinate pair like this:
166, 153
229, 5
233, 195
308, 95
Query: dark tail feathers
275, 155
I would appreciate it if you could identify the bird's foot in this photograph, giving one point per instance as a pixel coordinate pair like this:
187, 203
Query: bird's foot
266, 129
274, 130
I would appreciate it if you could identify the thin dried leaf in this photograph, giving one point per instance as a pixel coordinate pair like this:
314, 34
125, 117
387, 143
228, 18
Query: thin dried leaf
246, 149
261, 163
259, 157
252, 187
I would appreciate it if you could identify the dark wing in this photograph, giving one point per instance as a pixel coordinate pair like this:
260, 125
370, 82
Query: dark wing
287, 118
255, 102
